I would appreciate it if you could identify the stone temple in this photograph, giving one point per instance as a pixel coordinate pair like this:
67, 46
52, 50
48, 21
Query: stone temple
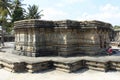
61, 38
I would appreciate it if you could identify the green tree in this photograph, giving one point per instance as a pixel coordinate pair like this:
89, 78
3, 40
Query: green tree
18, 11
5, 7
33, 12
10, 11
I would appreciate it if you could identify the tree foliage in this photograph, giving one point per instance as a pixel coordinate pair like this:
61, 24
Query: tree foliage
33, 12
5, 8
12, 10
5, 12
18, 11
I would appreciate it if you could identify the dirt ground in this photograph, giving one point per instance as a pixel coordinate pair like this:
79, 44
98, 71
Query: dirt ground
84, 74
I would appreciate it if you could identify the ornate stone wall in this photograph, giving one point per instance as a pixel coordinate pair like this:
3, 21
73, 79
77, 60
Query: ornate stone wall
61, 38
117, 35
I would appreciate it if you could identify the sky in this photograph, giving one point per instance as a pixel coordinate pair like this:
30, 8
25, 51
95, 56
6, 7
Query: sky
80, 10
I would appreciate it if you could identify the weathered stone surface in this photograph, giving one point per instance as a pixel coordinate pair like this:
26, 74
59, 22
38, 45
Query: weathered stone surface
14, 67
69, 67
97, 65
61, 38
115, 65
14, 63
39, 66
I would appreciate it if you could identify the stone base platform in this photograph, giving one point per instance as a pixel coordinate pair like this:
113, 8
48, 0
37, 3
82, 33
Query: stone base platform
68, 65
97, 65
39, 66
16, 63
115, 65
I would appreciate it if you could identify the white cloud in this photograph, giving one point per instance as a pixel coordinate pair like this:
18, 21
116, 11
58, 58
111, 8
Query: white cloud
53, 14
60, 5
63, 3
73, 1
109, 8
107, 13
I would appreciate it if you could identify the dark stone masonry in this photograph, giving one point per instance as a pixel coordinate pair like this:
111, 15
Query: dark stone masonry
61, 38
